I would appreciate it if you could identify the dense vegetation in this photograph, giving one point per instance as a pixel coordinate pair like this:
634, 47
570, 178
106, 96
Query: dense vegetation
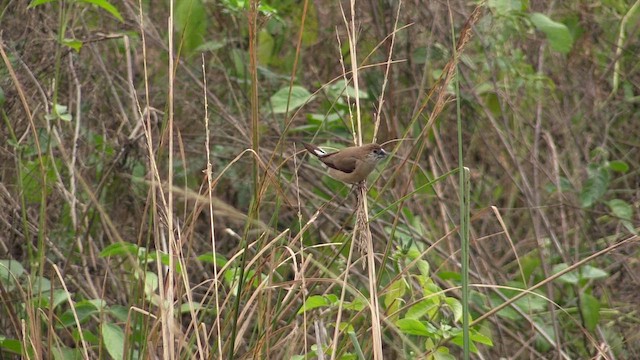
156, 202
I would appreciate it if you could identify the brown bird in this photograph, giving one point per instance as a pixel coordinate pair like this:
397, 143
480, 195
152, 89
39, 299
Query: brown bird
350, 165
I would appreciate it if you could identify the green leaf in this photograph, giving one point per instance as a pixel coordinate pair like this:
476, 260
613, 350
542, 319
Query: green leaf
124, 248
191, 23
317, 301
569, 278
424, 267
620, 209
65, 353
59, 112
185, 308
595, 186
113, 340
480, 338
151, 283
504, 7
299, 96
83, 310
624, 212
557, 33
266, 43
211, 46
414, 327
119, 312
59, 296
40, 284
164, 259
442, 353
10, 345
619, 166
73, 44
455, 306
590, 308
105, 5
356, 305
10, 269
458, 340
586, 272
35, 3
341, 88
208, 258
397, 289
421, 308
589, 272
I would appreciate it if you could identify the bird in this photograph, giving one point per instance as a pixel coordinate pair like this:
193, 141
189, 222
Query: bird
350, 165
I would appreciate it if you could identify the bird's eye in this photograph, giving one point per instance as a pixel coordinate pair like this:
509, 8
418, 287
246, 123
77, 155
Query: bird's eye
376, 151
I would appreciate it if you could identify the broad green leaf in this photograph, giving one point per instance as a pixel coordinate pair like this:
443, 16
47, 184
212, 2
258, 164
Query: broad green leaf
266, 44
346, 327
455, 306
458, 340
59, 112
73, 44
589, 272
113, 340
208, 258
532, 303
480, 338
423, 307
10, 345
414, 327
119, 312
83, 310
211, 46
151, 283
341, 88
10, 269
185, 308
65, 353
40, 284
35, 3
504, 7
557, 33
123, 248
357, 305
191, 23
317, 301
299, 96
105, 5
59, 296
540, 341
620, 209
569, 278
586, 272
619, 166
164, 259
311, 24
442, 353
590, 308
423, 265
595, 186
397, 289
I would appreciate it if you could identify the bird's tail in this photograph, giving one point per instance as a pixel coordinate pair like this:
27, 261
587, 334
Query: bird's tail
314, 150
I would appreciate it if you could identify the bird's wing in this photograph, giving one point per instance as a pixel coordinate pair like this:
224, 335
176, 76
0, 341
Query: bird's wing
344, 164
